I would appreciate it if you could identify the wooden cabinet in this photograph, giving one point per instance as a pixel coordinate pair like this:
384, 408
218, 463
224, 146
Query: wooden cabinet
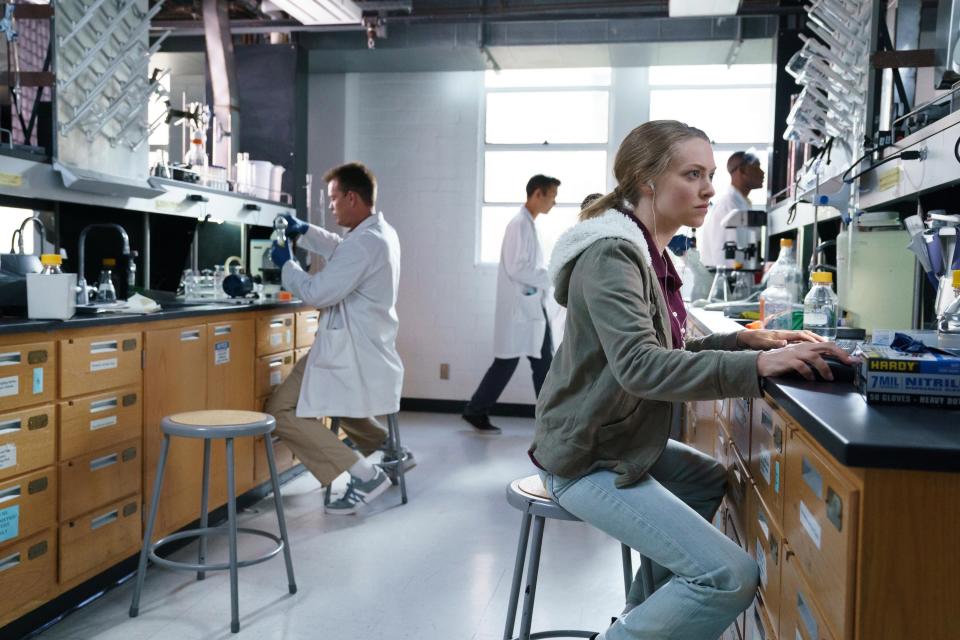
93, 542
759, 626
27, 440
27, 375
765, 543
300, 354
28, 504
28, 574
97, 363
800, 618
93, 422
767, 446
307, 324
274, 333
282, 455
271, 371
91, 480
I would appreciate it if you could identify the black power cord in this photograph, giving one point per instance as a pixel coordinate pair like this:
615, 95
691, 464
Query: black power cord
906, 154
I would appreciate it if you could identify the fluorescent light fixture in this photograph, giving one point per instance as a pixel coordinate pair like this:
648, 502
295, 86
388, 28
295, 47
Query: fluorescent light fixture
321, 11
690, 8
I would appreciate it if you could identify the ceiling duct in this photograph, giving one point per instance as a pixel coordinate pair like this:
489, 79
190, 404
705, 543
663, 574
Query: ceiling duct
223, 80
322, 12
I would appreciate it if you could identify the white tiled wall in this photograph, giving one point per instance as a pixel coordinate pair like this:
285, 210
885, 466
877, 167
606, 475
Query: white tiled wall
419, 133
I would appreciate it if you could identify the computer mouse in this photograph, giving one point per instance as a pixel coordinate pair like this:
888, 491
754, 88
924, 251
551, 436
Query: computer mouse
841, 371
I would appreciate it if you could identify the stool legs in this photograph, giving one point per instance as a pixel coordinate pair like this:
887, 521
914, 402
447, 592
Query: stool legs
533, 570
646, 570
328, 490
393, 430
148, 532
281, 521
232, 534
204, 500
517, 575
627, 569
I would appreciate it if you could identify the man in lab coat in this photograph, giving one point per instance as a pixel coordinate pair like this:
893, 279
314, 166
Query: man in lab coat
746, 174
521, 327
353, 371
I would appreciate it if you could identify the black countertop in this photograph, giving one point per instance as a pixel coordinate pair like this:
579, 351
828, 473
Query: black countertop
858, 434
22, 325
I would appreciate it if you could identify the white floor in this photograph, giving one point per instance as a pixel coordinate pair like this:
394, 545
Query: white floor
438, 568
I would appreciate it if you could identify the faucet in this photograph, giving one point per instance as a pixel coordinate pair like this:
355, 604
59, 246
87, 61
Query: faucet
18, 234
228, 261
83, 297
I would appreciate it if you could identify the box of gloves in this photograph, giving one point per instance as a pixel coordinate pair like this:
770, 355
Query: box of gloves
919, 375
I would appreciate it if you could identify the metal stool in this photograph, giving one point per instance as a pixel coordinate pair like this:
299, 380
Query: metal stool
210, 425
391, 447
529, 496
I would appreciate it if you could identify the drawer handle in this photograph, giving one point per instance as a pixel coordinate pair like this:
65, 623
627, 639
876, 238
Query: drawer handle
7, 495
104, 520
104, 405
276, 363
222, 331
806, 616
10, 561
812, 478
187, 336
10, 426
835, 508
275, 324
766, 419
104, 461
107, 346
10, 359
313, 319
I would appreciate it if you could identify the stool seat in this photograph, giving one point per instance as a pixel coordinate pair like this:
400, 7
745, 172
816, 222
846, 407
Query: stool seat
530, 496
218, 423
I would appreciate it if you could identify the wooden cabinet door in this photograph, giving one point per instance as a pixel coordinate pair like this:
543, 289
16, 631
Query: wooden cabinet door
230, 361
175, 380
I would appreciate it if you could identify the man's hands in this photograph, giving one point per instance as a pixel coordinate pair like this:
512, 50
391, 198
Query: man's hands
295, 227
280, 254
764, 339
801, 358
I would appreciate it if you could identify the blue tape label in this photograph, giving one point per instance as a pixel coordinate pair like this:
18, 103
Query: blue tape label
9, 523
38, 381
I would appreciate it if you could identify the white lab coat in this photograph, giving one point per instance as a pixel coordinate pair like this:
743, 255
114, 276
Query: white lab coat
519, 325
353, 369
710, 237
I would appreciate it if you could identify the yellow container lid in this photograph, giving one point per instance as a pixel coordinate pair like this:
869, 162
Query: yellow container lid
50, 259
786, 242
109, 262
824, 277
956, 279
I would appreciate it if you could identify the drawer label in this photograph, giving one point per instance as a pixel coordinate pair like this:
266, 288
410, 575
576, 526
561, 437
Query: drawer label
38, 381
762, 563
103, 422
276, 339
103, 365
276, 377
776, 470
221, 352
8, 456
289, 336
9, 386
11, 180
810, 524
765, 465
9, 523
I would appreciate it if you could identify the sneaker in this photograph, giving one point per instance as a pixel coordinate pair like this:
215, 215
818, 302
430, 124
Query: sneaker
409, 462
359, 493
481, 423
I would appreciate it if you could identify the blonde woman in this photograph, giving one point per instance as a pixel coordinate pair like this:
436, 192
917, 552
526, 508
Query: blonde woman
603, 416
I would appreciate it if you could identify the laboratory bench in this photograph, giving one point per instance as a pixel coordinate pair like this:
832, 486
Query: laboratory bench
849, 509
80, 408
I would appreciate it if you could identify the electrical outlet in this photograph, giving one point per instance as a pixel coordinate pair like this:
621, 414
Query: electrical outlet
444, 371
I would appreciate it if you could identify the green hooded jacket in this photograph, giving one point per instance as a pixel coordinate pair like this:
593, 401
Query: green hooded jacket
608, 398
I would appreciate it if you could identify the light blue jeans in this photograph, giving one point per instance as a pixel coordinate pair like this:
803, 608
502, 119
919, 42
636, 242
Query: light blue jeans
704, 579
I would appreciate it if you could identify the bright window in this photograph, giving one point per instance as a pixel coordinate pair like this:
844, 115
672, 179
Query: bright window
549, 121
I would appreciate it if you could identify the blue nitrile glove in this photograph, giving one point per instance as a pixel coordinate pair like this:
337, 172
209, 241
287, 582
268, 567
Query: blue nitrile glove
280, 255
679, 244
295, 227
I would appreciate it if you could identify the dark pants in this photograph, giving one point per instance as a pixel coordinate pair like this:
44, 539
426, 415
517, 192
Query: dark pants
500, 372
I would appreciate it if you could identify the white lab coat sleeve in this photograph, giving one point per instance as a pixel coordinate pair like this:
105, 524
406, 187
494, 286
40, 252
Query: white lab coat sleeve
319, 241
338, 279
519, 258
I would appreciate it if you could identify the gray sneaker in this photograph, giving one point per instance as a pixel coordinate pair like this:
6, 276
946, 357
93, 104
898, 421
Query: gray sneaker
359, 493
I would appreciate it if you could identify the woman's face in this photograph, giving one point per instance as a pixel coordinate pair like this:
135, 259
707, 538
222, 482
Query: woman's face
683, 192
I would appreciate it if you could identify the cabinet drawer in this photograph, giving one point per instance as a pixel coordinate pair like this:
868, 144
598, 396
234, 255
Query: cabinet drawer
28, 504
89, 481
28, 573
759, 625
94, 422
271, 371
300, 354
307, 324
99, 363
740, 426
738, 488
767, 444
274, 333
26, 440
820, 515
800, 619
282, 455
765, 544
103, 537
27, 374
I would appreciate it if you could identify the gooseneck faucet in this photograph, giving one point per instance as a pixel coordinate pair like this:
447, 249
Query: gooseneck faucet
82, 296
18, 234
